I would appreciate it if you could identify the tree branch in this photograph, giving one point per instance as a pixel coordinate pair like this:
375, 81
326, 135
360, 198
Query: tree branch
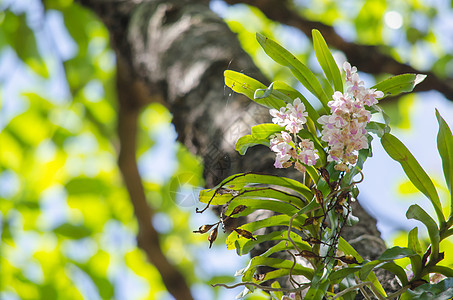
369, 59
129, 92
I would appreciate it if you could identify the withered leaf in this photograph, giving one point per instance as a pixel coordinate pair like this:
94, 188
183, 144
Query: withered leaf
238, 209
325, 174
259, 277
343, 197
212, 236
311, 220
339, 209
312, 240
203, 228
348, 259
245, 233
307, 254
319, 197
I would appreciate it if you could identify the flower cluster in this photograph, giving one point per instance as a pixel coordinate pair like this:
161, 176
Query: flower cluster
288, 150
344, 129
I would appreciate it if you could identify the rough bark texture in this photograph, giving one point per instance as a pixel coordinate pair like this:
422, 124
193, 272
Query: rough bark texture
176, 52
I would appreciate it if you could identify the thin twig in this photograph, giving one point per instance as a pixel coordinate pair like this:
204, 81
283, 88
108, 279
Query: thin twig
397, 293
264, 288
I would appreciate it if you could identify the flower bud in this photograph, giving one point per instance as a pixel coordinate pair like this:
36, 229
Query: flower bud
203, 229
212, 236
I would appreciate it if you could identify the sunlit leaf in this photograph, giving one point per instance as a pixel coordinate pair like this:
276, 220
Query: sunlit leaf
299, 70
396, 252
414, 244
396, 150
327, 62
260, 136
417, 213
398, 84
243, 84
274, 263
445, 147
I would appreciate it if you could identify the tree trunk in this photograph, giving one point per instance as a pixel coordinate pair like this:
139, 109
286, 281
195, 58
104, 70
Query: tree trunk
176, 52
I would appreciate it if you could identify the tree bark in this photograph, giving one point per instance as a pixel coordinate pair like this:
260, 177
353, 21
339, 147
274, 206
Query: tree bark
176, 52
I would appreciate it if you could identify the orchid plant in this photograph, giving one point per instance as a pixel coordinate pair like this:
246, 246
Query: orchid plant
329, 147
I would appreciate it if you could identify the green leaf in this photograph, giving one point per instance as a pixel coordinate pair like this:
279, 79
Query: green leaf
260, 136
255, 204
396, 150
342, 273
73, 231
300, 71
347, 249
15, 32
417, 213
446, 271
377, 128
276, 294
396, 253
327, 62
229, 186
399, 84
440, 291
318, 286
276, 263
243, 246
445, 147
414, 244
277, 220
397, 270
386, 264
243, 84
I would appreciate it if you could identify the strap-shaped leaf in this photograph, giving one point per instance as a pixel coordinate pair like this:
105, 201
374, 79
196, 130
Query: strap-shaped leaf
396, 150
255, 204
223, 196
300, 71
442, 290
396, 253
239, 181
397, 270
414, 244
347, 249
243, 84
276, 263
417, 213
243, 246
318, 287
446, 271
445, 147
398, 84
338, 275
260, 136
326, 61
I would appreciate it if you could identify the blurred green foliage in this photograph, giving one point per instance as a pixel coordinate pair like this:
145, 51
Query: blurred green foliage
67, 226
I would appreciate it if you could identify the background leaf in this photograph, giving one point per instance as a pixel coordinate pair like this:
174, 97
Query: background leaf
398, 84
396, 150
327, 62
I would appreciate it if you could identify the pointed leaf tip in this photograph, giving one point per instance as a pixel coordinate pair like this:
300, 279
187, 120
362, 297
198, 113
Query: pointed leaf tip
419, 78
